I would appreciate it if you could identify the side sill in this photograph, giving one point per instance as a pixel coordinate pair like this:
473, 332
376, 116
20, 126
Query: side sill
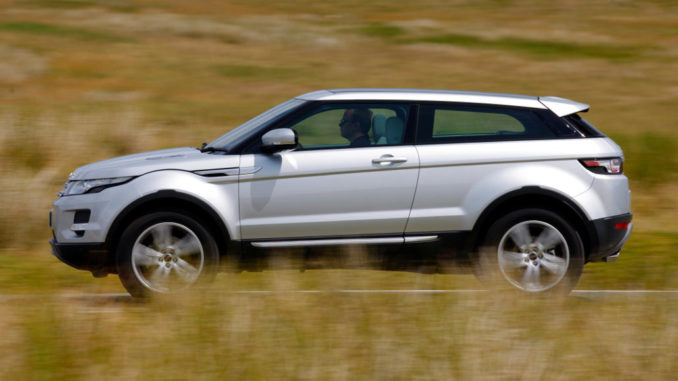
346, 241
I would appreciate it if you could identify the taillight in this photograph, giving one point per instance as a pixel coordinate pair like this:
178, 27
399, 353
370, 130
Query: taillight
622, 226
611, 166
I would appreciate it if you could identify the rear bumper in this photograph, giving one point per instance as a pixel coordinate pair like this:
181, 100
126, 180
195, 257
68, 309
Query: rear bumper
84, 256
610, 235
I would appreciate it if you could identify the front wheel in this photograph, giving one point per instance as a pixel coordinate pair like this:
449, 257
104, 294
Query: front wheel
165, 252
533, 250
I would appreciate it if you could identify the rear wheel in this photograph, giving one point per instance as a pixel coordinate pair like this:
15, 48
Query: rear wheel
533, 250
165, 252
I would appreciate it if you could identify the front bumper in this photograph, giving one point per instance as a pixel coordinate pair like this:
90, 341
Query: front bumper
609, 236
84, 256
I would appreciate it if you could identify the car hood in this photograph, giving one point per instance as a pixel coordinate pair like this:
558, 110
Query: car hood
183, 159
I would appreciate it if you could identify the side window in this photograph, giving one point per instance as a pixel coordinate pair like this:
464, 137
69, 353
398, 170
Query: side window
320, 129
351, 125
465, 123
468, 123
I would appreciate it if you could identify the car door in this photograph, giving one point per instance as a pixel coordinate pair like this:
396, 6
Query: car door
329, 186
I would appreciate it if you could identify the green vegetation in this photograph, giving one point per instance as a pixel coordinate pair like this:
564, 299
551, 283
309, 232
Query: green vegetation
43, 29
651, 157
544, 49
381, 30
115, 5
536, 48
643, 264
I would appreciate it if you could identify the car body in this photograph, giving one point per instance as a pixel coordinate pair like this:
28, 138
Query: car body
522, 186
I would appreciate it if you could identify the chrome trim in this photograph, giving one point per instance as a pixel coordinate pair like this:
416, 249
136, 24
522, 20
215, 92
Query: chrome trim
79, 227
611, 258
218, 172
423, 238
346, 241
330, 242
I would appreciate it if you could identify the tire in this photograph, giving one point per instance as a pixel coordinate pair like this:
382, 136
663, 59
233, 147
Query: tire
164, 253
533, 250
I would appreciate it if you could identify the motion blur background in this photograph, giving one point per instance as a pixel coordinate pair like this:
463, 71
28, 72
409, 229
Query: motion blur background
82, 81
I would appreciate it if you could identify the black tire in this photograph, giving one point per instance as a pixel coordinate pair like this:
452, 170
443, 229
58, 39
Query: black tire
513, 254
176, 251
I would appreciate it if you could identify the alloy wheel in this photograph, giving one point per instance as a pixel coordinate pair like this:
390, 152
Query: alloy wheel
167, 256
533, 255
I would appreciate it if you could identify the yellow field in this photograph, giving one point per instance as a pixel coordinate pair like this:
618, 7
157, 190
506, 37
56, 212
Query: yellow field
340, 337
88, 80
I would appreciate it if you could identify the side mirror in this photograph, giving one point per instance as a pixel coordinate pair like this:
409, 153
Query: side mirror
279, 139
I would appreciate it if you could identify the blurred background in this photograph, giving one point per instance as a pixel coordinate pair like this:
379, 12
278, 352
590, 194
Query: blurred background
82, 81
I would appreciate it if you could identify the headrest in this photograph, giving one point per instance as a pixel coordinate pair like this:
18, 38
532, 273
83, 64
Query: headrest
394, 130
378, 126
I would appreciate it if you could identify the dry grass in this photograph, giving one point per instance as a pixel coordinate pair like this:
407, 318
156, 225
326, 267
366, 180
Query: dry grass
340, 337
87, 80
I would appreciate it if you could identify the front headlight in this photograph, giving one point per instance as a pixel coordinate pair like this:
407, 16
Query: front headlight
91, 186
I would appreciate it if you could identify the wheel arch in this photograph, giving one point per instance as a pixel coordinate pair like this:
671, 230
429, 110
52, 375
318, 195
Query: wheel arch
170, 200
531, 197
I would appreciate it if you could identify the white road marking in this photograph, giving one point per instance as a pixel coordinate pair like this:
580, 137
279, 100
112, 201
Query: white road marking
625, 292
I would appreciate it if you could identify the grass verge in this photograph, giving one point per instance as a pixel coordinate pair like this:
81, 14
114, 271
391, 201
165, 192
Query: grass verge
336, 337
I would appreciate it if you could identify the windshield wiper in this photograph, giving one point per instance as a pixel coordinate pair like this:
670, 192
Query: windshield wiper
206, 148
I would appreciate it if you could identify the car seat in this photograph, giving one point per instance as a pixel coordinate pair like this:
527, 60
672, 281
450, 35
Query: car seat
394, 130
379, 128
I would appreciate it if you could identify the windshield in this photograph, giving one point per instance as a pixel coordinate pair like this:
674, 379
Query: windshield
240, 133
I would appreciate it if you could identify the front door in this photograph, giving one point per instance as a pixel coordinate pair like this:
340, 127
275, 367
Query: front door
353, 175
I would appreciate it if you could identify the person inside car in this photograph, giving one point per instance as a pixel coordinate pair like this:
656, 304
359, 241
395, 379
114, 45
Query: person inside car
355, 126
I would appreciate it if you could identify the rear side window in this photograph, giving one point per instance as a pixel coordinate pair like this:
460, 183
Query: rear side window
468, 123
581, 126
473, 123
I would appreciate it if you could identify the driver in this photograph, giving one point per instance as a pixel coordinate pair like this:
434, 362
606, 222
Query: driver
355, 126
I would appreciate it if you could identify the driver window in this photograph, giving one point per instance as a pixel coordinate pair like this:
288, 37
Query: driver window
352, 125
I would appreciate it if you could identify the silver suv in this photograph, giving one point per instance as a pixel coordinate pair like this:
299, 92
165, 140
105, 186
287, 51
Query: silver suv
521, 187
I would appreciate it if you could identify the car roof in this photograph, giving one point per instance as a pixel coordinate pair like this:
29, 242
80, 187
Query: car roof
559, 106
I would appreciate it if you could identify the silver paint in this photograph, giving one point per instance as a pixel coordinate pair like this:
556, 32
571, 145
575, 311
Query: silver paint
369, 190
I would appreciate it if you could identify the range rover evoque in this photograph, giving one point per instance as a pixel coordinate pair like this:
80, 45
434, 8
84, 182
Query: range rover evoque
521, 187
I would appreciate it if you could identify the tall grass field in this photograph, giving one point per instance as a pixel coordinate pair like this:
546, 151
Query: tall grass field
82, 81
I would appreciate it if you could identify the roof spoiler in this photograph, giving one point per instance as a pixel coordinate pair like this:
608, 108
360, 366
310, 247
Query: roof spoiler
562, 106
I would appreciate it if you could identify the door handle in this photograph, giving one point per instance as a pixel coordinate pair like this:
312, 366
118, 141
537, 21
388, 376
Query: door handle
389, 159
